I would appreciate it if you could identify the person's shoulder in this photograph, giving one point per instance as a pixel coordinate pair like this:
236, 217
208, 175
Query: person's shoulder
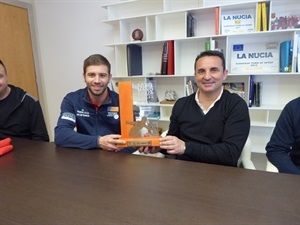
294, 102
17, 91
21, 94
293, 105
75, 93
113, 93
114, 96
232, 96
233, 99
185, 99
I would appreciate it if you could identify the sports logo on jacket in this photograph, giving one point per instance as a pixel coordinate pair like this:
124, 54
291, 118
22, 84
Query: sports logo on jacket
82, 113
113, 111
68, 116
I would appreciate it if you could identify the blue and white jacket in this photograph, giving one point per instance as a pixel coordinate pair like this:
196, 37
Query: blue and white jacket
80, 123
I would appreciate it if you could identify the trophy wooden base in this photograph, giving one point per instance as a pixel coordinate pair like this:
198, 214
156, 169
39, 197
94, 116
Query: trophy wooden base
139, 142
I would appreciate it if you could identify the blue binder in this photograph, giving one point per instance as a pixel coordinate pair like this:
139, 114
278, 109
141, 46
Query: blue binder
134, 60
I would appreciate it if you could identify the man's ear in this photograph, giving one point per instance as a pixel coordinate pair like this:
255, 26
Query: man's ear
225, 74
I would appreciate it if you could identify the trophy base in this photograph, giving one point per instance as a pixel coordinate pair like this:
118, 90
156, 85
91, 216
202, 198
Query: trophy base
139, 142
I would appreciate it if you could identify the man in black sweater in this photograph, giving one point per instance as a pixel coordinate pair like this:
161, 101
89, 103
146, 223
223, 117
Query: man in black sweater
20, 114
283, 149
211, 125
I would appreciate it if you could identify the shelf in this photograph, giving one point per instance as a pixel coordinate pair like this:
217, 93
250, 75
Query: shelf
164, 20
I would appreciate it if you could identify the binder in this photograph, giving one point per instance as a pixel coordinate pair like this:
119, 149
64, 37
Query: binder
164, 59
251, 90
257, 88
264, 16
134, 60
217, 21
286, 54
170, 60
258, 18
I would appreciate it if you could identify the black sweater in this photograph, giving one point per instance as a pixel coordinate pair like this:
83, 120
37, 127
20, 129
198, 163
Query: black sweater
21, 116
217, 137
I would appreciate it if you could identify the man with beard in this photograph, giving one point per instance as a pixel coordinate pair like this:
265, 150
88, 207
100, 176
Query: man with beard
89, 117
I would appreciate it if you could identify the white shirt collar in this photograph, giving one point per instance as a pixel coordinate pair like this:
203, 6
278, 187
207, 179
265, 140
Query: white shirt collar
205, 111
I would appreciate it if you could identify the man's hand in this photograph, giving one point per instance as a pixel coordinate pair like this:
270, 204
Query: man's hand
149, 149
109, 142
173, 145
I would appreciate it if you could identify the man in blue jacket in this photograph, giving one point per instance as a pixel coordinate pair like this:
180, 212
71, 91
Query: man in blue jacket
283, 149
89, 117
20, 114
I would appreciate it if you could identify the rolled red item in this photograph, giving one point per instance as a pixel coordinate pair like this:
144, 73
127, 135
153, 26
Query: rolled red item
6, 149
5, 142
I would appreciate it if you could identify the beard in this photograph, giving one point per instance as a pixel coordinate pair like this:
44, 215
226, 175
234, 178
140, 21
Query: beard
98, 92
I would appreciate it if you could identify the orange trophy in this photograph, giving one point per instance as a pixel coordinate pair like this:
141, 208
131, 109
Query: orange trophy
131, 129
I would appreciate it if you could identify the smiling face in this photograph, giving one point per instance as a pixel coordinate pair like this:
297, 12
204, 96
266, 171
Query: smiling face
97, 79
209, 75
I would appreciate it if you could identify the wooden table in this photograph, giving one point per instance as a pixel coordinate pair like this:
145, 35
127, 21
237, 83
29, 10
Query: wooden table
42, 184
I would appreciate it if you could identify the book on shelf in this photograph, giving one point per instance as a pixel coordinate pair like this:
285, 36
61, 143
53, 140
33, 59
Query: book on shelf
164, 59
151, 90
134, 60
251, 90
211, 45
255, 57
264, 16
191, 87
298, 54
286, 56
151, 112
170, 59
144, 92
257, 93
190, 32
283, 21
237, 23
235, 87
217, 20
258, 17
167, 61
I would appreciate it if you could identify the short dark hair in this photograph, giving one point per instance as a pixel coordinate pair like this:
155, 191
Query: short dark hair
96, 60
211, 53
1, 63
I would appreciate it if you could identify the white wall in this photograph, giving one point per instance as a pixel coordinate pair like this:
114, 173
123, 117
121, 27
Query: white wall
68, 31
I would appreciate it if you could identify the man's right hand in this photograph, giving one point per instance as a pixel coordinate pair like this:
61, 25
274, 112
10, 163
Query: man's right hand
109, 142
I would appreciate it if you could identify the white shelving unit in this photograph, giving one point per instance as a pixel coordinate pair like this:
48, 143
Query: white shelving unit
162, 20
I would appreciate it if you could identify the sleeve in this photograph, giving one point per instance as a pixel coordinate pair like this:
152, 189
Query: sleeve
233, 136
38, 127
65, 134
279, 147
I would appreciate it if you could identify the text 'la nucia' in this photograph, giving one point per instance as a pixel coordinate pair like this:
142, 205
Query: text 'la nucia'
237, 17
255, 55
